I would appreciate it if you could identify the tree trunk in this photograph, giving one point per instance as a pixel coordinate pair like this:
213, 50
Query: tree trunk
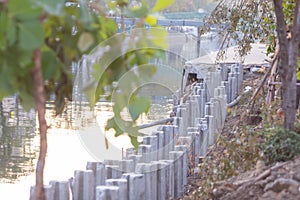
287, 64
39, 100
289, 87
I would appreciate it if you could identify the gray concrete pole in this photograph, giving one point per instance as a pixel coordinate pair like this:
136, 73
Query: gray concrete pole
137, 186
113, 171
88, 185
78, 185
61, 190
177, 156
123, 187
49, 192
107, 193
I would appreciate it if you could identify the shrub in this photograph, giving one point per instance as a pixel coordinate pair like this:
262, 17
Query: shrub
281, 145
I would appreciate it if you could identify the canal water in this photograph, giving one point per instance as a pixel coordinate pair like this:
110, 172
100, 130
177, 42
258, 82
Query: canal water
70, 146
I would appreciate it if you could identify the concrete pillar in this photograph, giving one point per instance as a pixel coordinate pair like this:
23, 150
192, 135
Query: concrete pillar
227, 89
211, 129
107, 193
98, 169
196, 145
177, 156
149, 171
78, 185
112, 171
233, 87
152, 140
162, 180
170, 178
169, 139
91, 166
145, 151
130, 151
61, 190
203, 136
100, 174
239, 76
209, 108
160, 144
126, 166
189, 113
111, 162
136, 159
185, 140
88, 185
224, 71
217, 112
49, 192
196, 108
122, 184
136, 185
183, 120
185, 163
175, 134
202, 102
193, 111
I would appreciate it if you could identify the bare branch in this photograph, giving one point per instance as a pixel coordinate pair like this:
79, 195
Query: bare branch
39, 100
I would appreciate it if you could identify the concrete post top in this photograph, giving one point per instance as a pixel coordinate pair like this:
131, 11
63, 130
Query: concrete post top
107, 187
116, 180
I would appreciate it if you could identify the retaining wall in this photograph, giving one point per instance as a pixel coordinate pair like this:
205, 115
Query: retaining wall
160, 167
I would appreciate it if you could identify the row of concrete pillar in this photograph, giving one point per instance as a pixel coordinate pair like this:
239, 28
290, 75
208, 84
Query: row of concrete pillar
160, 167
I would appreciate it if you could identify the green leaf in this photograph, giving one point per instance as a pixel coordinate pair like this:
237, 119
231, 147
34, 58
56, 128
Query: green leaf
111, 123
84, 15
51, 64
31, 35
53, 7
24, 58
3, 25
138, 106
6, 88
11, 33
134, 141
25, 11
121, 101
162, 4
26, 100
86, 40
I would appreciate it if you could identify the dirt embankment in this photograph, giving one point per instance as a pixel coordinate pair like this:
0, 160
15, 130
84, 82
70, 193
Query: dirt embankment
249, 179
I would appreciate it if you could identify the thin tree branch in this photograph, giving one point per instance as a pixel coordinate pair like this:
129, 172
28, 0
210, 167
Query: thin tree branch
262, 83
39, 100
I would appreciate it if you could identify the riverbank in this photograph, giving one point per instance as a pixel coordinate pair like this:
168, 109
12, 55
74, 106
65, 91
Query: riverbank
235, 167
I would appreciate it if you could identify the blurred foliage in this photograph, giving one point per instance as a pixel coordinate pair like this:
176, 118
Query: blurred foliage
124, 63
66, 31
